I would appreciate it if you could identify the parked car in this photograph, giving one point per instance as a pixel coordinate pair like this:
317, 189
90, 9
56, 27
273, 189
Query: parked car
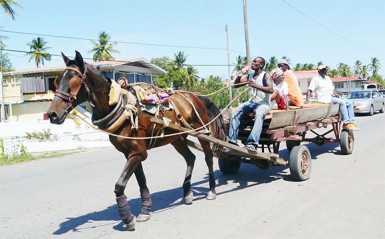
382, 92
367, 101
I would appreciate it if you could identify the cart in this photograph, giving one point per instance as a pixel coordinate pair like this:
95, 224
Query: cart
291, 126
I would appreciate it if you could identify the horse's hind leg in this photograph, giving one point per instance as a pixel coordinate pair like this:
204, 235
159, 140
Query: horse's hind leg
209, 162
182, 148
144, 195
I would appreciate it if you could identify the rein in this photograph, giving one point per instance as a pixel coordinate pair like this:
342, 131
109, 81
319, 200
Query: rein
77, 81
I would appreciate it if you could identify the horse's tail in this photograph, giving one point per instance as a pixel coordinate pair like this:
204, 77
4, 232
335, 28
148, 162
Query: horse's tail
217, 127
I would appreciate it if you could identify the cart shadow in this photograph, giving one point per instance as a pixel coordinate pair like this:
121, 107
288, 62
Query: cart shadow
248, 176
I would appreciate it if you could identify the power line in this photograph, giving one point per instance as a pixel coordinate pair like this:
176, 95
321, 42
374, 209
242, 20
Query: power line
326, 28
88, 58
123, 42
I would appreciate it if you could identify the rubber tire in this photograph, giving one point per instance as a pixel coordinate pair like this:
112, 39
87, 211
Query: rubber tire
295, 163
346, 148
228, 165
290, 144
371, 111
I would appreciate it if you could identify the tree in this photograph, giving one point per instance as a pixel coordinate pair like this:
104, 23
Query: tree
298, 67
357, 67
7, 6
240, 62
271, 63
192, 77
364, 72
103, 47
5, 63
374, 65
180, 59
38, 51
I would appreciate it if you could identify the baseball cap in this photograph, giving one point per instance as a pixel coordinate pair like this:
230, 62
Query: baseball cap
283, 61
320, 67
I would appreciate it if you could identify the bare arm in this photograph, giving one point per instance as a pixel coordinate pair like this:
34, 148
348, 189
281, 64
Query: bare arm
309, 92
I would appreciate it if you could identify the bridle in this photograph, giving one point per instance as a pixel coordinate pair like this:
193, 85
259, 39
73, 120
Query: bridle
74, 84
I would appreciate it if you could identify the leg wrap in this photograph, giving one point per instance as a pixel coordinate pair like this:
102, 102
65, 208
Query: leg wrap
146, 201
124, 209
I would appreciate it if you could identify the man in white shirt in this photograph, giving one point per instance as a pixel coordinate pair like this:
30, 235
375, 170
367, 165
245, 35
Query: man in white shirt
281, 89
323, 87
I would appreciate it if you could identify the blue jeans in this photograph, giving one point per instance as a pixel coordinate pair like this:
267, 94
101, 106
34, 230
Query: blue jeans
260, 110
346, 109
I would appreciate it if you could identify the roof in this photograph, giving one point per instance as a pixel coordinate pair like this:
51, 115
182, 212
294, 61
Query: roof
102, 64
346, 78
305, 74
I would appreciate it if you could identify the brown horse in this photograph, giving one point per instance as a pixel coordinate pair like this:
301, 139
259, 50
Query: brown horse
132, 128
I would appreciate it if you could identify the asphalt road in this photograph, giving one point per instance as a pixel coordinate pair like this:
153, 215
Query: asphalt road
72, 196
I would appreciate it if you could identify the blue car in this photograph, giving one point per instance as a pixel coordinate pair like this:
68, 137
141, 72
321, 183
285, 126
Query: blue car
367, 101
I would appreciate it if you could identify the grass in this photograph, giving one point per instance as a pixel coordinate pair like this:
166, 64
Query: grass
26, 157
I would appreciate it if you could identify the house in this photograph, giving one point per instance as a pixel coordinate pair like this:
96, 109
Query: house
26, 94
342, 84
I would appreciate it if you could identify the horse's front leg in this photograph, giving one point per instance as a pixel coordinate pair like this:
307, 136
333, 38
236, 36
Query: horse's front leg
144, 195
124, 209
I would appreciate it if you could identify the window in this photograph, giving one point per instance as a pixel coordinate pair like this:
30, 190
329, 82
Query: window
32, 84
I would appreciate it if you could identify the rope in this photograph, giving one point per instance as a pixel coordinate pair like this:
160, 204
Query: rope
167, 135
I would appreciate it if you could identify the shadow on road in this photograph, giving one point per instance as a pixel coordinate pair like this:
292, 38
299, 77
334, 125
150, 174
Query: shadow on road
248, 176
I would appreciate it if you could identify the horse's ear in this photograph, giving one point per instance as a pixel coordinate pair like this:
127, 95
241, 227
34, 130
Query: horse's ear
79, 61
66, 59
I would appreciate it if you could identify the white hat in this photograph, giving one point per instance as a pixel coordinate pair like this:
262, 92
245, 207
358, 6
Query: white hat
283, 61
276, 73
320, 67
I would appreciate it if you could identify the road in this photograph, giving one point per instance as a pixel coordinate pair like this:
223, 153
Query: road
72, 196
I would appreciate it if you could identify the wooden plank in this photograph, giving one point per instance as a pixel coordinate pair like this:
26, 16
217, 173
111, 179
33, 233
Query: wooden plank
310, 112
240, 151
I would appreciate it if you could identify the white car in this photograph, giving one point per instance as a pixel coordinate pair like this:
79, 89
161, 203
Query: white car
367, 101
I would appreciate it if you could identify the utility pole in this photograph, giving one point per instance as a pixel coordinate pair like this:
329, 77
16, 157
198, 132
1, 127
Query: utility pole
228, 62
246, 35
2, 109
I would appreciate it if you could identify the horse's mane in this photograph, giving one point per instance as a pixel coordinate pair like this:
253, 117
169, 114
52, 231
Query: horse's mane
97, 71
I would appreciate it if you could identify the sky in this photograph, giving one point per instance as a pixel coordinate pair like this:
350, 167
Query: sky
305, 31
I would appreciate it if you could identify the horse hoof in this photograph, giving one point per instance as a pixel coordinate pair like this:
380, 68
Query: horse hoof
189, 198
211, 196
143, 217
131, 224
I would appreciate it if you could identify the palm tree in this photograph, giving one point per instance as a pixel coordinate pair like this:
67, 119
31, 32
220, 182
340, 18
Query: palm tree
38, 51
7, 6
364, 72
374, 66
357, 67
103, 47
298, 67
192, 77
180, 59
271, 64
241, 61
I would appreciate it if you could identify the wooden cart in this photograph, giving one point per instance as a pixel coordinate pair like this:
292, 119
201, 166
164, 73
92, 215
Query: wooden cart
291, 126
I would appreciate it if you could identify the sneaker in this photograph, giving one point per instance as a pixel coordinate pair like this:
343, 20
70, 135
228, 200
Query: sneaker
350, 126
251, 147
227, 150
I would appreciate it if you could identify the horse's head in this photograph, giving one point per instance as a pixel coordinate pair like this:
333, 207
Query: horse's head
71, 89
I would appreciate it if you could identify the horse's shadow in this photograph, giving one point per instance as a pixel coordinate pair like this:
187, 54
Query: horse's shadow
248, 176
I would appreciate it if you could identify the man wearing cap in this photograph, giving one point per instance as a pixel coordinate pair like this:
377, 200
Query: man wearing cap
260, 87
295, 94
323, 87
281, 90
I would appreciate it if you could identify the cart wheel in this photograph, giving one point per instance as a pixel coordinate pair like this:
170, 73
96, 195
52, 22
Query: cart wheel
229, 165
290, 144
347, 141
300, 163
